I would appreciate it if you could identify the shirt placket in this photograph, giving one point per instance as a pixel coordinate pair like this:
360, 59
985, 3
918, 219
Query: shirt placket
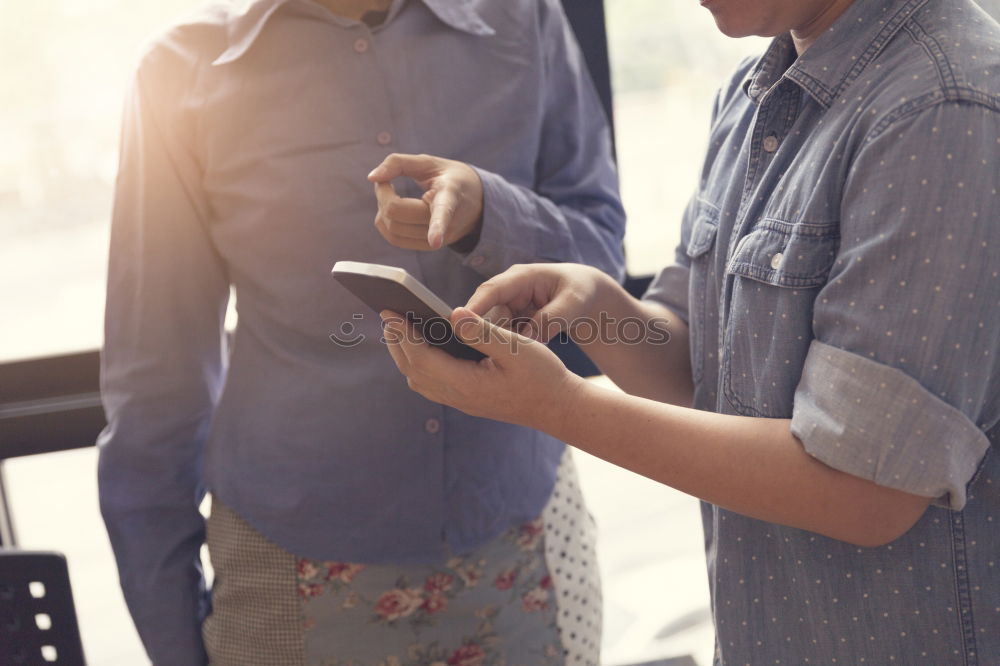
776, 113
366, 54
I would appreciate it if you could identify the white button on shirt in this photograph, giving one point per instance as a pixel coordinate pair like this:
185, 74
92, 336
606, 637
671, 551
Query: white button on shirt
384, 138
776, 260
361, 45
770, 143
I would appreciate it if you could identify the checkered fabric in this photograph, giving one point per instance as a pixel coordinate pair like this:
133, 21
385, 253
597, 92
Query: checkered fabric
256, 615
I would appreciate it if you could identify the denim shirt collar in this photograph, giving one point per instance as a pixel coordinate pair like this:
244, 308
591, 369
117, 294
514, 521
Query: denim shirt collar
248, 18
837, 57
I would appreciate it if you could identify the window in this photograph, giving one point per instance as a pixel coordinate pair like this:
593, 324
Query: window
668, 59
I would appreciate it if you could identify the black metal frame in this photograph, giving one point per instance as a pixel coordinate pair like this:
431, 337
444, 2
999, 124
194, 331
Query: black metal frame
46, 405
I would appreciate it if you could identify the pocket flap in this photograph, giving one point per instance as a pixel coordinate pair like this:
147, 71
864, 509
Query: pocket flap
704, 230
785, 254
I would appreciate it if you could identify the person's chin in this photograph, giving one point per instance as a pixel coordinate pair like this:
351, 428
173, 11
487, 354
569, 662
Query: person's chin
731, 28
738, 26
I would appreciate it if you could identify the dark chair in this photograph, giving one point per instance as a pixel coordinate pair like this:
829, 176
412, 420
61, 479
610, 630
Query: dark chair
37, 618
49, 404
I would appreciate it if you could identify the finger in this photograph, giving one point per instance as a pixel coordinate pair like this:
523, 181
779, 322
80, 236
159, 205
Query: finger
398, 356
411, 211
443, 209
411, 231
419, 243
393, 327
430, 368
513, 289
555, 317
385, 194
418, 167
500, 315
497, 343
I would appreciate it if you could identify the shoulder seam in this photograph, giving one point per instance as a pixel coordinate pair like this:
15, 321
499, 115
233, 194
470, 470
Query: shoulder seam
951, 89
957, 95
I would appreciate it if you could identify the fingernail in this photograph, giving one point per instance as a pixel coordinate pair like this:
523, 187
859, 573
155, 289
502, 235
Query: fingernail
375, 173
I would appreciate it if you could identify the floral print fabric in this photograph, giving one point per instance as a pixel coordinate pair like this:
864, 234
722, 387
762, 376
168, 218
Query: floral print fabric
493, 607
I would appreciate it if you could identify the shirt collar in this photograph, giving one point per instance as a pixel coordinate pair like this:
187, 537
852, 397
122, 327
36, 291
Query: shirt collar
248, 18
838, 56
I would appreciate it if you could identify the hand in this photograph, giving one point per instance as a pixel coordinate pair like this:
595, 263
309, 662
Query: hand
539, 301
450, 210
520, 381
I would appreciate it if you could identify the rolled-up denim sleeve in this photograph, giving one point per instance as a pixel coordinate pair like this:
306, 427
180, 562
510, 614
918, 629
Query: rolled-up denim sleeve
879, 423
902, 379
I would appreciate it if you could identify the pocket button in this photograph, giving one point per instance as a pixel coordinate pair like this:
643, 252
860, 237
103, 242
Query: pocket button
776, 260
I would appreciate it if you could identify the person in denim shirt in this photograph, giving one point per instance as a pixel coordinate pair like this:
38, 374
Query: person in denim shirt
834, 321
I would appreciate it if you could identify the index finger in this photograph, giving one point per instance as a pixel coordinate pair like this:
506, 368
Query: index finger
514, 291
443, 208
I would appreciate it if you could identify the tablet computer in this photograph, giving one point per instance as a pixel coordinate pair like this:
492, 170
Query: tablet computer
390, 288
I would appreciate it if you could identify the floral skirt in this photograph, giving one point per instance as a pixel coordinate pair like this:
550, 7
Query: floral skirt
530, 596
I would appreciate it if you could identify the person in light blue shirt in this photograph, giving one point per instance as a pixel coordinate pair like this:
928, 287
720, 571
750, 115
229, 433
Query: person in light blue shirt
248, 135
831, 383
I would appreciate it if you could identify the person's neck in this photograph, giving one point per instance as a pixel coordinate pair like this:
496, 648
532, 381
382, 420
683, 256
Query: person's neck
355, 9
816, 25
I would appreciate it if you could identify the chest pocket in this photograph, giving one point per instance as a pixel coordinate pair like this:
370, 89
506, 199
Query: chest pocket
785, 254
777, 270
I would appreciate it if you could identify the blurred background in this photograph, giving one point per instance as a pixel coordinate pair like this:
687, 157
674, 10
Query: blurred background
64, 67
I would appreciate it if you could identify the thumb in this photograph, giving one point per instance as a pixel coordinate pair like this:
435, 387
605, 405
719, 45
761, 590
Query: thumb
417, 167
496, 342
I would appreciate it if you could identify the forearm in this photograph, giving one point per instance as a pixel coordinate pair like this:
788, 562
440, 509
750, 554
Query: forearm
162, 581
752, 466
641, 346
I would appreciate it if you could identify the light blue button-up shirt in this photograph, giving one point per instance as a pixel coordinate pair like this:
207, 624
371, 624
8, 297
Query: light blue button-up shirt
840, 266
247, 139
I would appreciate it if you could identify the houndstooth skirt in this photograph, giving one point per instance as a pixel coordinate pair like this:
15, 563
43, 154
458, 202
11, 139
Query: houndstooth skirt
530, 596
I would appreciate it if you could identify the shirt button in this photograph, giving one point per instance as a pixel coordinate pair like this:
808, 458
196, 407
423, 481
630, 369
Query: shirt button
770, 143
477, 260
432, 426
361, 45
776, 260
384, 138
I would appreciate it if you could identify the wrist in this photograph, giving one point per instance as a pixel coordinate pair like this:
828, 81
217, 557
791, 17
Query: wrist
468, 242
553, 414
604, 297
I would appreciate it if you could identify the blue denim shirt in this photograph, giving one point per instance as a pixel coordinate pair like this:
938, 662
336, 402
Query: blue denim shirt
248, 135
840, 267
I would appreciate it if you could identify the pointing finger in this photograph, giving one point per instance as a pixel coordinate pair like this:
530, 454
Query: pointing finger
442, 211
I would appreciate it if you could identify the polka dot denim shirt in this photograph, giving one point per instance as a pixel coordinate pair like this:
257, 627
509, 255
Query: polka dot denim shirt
840, 266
